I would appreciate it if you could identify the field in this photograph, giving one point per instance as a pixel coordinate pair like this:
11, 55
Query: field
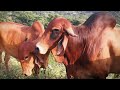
55, 70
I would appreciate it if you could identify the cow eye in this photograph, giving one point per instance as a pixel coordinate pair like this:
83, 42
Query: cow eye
26, 57
54, 33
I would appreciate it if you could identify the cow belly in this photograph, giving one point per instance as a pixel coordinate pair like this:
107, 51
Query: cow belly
11, 50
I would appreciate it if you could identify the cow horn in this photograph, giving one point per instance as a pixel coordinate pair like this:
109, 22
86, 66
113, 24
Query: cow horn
71, 32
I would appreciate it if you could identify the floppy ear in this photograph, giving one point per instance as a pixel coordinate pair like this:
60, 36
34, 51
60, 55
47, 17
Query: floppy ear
61, 47
38, 27
38, 62
37, 59
59, 59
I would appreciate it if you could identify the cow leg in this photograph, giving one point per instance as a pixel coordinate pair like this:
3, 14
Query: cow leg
68, 73
0, 56
36, 71
6, 59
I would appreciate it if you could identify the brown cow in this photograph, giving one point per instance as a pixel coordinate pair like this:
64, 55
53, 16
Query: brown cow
92, 49
12, 35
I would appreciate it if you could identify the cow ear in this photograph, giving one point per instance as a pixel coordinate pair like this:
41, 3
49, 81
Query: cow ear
38, 62
38, 27
61, 47
59, 59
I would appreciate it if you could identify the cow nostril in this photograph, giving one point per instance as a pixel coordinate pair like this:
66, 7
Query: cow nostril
37, 49
25, 74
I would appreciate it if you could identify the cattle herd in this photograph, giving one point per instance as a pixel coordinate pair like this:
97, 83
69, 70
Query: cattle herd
88, 51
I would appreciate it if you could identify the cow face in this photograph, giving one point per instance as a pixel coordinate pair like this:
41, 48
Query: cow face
27, 66
27, 58
56, 34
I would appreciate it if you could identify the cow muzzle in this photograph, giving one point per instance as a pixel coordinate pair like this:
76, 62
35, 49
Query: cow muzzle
41, 48
27, 72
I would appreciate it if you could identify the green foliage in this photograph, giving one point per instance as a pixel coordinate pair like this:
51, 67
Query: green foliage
28, 17
25, 17
5, 16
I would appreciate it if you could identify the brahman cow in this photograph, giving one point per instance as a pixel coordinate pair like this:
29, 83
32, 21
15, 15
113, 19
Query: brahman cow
12, 35
92, 50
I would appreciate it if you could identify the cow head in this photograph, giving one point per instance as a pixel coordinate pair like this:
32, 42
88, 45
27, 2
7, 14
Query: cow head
56, 34
28, 58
